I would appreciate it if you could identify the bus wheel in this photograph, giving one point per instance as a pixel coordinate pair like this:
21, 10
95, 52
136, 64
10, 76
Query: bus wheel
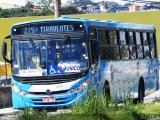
107, 93
141, 91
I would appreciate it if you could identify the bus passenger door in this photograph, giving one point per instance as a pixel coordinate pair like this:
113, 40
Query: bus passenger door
93, 50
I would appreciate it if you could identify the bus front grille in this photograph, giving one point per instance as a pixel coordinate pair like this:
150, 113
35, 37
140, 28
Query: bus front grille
49, 103
51, 93
46, 80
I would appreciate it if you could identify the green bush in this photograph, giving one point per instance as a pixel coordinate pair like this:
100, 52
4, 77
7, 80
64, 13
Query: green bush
33, 114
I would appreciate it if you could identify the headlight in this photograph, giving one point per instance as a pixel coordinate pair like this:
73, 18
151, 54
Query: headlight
18, 91
81, 87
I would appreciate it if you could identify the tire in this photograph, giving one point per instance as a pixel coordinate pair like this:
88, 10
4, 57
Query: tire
141, 92
107, 93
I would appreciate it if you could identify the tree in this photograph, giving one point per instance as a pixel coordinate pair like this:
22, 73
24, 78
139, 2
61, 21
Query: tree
46, 12
81, 2
29, 5
57, 5
46, 3
127, 4
43, 3
69, 10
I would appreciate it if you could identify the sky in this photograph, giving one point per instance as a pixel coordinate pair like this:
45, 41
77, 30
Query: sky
23, 2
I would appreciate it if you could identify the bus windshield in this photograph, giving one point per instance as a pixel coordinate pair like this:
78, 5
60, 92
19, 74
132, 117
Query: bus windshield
49, 57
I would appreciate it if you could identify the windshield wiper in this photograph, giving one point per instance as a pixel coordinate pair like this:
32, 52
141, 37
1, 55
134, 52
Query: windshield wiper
62, 44
34, 46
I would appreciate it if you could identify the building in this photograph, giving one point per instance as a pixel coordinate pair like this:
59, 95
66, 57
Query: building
8, 6
36, 9
103, 7
134, 8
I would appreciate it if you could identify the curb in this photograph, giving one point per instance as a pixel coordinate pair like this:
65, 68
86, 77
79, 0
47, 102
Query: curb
9, 111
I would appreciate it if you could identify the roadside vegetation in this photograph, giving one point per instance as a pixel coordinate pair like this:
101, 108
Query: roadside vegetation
30, 10
97, 107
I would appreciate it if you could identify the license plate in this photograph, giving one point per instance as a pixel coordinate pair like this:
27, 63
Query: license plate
49, 99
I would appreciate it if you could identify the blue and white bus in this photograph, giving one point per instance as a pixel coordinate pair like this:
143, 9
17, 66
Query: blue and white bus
55, 61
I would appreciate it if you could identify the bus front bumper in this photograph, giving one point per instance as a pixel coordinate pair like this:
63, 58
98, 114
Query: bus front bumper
37, 101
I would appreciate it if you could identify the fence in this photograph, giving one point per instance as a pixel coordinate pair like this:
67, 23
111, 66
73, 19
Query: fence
5, 70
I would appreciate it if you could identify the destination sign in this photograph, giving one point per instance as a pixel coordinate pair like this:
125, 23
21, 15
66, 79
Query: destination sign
46, 28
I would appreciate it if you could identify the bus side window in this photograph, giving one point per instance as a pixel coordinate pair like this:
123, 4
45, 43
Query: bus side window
146, 46
153, 51
123, 45
124, 52
105, 53
114, 47
122, 37
112, 37
103, 40
104, 45
109, 50
152, 44
132, 46
152, 38
139, 46
114, 51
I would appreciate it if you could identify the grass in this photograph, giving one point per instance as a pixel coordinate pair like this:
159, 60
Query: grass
31, 114
97, 107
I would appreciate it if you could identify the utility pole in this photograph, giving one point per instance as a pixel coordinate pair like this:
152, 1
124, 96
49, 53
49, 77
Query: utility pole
57, 7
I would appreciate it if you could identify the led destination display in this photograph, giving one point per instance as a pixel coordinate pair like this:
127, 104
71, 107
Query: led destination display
46, 28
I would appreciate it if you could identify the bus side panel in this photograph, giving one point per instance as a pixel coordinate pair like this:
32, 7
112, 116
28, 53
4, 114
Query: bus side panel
154, 75
105, 73
114, 80
145, 73
134, 77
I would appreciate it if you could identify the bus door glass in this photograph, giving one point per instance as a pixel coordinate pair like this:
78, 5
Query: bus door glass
93, 47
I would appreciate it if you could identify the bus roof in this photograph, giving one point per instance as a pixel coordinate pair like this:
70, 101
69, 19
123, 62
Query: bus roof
109, 24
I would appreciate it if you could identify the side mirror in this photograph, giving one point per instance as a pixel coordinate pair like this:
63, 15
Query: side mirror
4, 52
4, 49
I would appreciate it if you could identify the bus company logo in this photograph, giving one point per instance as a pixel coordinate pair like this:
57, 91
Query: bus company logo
70, 67
61, 69
48, 91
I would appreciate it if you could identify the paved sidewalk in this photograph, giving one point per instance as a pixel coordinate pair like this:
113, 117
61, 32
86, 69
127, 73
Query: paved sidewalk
152, 97
9, 114
8, 111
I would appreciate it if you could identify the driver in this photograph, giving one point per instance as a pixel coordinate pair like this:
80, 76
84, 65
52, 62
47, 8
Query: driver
34, 62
